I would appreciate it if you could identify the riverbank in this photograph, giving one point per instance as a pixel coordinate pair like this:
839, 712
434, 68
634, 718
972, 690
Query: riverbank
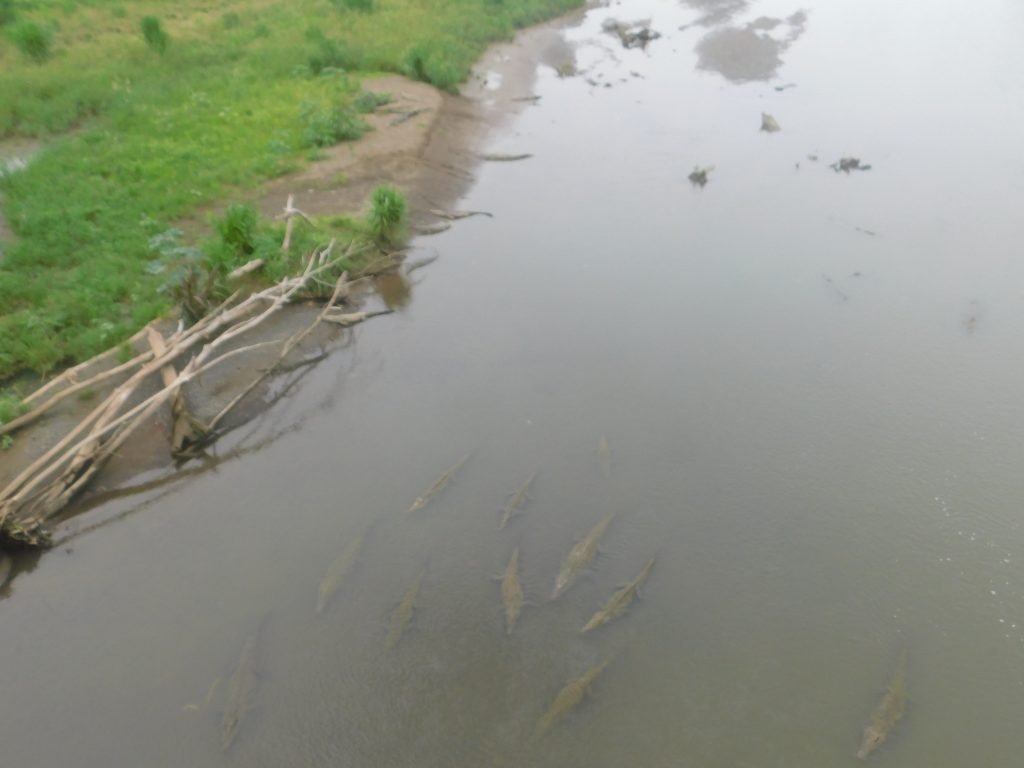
429, 144
153, 117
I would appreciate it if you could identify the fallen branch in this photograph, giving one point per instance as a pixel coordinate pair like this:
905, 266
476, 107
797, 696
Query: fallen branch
186, 431
340, 287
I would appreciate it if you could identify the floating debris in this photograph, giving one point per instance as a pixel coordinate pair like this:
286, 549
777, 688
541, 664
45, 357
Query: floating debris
533, 99
847, 164
889, 710
516, 503
579, 557
769, 124
781, 88
570, 697
699, 176
512, 592
403, 613
241, 686
636, 35
438, 486
337, 571
620, 601
500, 158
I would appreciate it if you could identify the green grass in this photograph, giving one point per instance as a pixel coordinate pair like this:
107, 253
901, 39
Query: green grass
136, 142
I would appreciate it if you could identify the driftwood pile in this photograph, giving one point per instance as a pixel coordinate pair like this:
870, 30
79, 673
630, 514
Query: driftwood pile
45, 487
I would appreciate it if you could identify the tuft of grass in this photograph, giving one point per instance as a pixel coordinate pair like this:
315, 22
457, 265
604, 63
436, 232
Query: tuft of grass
230, 20
154, 34
31, 39
365, 6
387, 217
326, 126
7, 12
11, 407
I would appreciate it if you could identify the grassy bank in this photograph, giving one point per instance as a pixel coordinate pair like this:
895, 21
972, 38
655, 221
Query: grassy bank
154, 110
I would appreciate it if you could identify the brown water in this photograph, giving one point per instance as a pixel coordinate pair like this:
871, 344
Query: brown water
817, 429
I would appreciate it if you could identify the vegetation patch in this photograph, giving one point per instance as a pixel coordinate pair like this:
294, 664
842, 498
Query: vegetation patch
137, 142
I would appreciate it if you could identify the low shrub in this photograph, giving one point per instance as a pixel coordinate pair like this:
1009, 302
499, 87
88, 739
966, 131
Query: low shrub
434, 65
155, 35
31, 39
7, 14
387, 216
327, 126
365, 6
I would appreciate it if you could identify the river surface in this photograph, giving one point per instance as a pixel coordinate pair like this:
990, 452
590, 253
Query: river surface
811, 384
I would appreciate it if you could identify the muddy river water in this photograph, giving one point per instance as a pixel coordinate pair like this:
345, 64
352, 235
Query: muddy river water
810, 384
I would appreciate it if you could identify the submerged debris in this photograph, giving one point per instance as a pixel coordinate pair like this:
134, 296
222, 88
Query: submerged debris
699, 176
635, 35
847, 164
5, 569
889, 710
784, 87
769, 124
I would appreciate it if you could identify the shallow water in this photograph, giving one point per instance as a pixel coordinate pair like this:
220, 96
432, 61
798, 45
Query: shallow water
809, 381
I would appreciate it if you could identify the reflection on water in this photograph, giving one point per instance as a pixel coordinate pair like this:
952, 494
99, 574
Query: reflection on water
752, 51
799, 388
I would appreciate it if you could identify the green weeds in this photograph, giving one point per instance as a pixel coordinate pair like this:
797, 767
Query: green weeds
387, 217
154, 34
31, 39
137, 144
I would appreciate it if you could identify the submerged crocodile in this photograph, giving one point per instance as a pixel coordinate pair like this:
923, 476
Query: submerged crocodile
620, 601
403, 613
512, 592
241, 687
889, 710
439, 485
579, 556
516, 503
568, 699
337, 571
